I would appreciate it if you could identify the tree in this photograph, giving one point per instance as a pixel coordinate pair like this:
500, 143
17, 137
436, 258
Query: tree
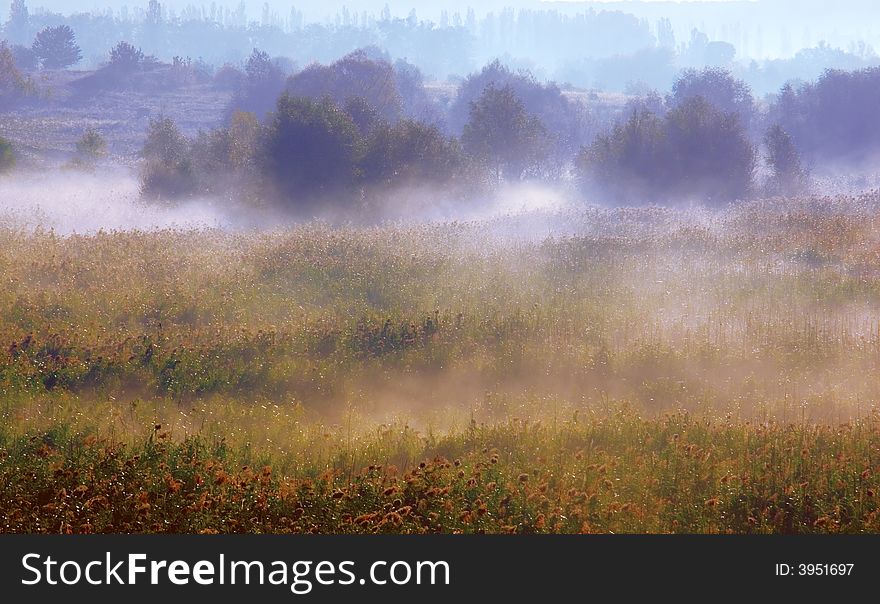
358, 74
19, 21
313, 149
717, 86
125, 58
566, 121
167, 171
18, 13
788, 176
416, 103
503, 135
629, 164
13, 85
56, 47
364, 115
90, 148
261, 85
154, 14
410, 152
7, 157
695, 152
710, 156
835, 118
665, 34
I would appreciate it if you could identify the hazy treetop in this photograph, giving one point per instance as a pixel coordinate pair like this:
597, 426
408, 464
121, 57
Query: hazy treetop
763, 28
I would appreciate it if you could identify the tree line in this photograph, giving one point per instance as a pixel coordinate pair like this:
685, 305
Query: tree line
354, 128
593, 49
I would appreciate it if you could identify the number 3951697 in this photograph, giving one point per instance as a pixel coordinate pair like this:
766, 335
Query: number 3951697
814, 569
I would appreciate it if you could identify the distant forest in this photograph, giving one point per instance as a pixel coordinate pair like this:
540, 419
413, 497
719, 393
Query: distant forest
593, 49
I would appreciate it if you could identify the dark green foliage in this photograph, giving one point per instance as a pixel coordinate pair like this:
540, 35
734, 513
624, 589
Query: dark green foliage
313, 149
711, 156
629, 161
14, 87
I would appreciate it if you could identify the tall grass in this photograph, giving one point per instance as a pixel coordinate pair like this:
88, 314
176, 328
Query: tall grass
720, 368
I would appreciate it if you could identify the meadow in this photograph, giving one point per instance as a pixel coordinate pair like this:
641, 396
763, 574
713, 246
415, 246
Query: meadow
591, 370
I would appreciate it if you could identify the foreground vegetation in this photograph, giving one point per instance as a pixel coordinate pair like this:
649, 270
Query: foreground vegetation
597, 473
641, 370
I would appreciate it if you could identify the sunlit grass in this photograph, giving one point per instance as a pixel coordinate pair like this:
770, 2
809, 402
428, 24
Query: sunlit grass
719, 368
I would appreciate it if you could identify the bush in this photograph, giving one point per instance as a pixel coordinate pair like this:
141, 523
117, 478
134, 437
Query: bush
788, 175
167, 172
7, 157
125, 58
90, 148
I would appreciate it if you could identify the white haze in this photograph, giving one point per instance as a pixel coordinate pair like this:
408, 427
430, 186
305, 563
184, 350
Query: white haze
74, 202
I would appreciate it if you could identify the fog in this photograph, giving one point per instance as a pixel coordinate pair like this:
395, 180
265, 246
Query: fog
73, 202
70, 202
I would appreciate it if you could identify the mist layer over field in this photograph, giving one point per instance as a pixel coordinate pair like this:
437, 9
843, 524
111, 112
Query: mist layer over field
77, 202
73, 201
764, 309
529, 367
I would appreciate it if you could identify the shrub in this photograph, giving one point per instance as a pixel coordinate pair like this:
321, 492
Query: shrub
90, 148
125, 58
7, 157
13, 85
167, 171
